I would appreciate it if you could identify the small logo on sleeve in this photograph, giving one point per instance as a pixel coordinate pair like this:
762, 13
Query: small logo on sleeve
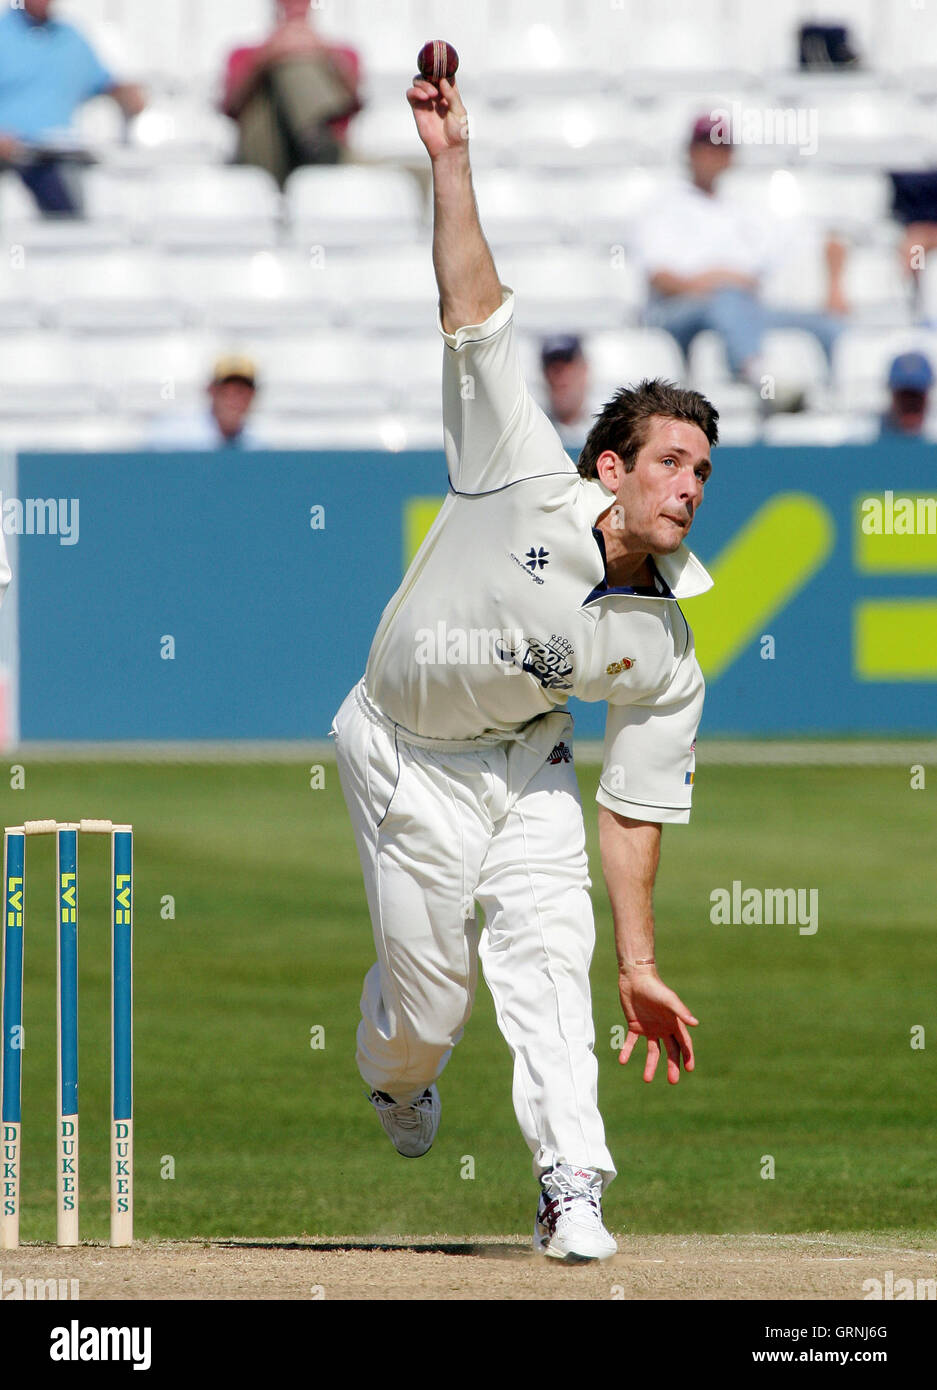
614, 668
561, 754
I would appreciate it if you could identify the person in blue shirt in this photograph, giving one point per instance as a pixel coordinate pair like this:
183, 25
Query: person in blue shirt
47, 70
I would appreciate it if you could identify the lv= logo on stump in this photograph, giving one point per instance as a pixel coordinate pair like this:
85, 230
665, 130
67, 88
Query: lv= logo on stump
14, 921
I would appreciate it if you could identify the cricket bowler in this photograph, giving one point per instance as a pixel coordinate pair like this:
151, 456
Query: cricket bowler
455, 752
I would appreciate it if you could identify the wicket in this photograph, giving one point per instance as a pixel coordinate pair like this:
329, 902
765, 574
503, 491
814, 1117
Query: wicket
14, 921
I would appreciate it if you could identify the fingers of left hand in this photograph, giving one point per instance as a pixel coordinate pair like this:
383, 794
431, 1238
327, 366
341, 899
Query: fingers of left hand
653, 1056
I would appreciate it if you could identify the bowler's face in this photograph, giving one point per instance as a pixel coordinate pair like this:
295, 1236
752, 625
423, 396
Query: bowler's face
662, 493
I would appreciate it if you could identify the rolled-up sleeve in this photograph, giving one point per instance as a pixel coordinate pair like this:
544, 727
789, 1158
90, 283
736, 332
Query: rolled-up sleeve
494, 431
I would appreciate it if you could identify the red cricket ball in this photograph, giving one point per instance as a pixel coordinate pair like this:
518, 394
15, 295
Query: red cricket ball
437, 59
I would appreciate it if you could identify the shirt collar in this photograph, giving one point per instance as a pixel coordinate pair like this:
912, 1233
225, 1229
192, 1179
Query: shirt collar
681, 572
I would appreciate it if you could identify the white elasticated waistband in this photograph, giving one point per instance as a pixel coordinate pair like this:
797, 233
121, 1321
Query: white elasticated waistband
439, 745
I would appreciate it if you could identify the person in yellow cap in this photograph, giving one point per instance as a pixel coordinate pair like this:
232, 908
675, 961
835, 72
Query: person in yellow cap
225, 424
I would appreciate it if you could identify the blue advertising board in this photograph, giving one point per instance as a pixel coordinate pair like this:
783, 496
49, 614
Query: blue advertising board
217, 596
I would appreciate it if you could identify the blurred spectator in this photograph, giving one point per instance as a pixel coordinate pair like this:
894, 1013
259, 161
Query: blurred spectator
566, 376
47, 70
910, 379
224, 424
914, 205
292, 96
705, 258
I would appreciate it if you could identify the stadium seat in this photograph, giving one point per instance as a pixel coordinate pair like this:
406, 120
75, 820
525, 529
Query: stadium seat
180, 130
206, 208
84, 433
817, 428
565, 134
40, 376
254, 292
392, 292
603, 210
861, 360
851, 202
137, 374
325, 375
419, 389
571, 291
627, 356
384, 132
120, 292
524, 208
350, 206
388, 433
23, 224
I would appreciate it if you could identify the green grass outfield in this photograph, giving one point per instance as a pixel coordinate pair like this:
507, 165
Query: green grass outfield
803, 1051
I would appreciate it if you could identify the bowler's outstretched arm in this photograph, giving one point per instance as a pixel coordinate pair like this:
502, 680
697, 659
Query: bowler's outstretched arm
469, 288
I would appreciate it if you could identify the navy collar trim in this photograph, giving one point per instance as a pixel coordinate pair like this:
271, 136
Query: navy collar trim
661, 588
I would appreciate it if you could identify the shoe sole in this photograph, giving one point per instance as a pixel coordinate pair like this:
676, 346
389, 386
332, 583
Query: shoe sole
542, 1246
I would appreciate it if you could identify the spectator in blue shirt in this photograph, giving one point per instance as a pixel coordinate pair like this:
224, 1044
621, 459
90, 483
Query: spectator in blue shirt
47, 70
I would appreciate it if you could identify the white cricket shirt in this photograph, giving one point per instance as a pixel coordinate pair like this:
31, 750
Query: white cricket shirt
505, 612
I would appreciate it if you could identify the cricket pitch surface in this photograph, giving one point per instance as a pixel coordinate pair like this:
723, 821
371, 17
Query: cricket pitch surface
816, 1265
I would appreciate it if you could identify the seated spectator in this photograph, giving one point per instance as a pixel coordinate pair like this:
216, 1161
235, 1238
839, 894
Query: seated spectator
566, 376
705, 258
292, 96
910, 379
47, 70
914, 205
224, 424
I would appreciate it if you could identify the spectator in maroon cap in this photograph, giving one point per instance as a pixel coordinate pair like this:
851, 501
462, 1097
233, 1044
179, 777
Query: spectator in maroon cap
705, 258
292, 96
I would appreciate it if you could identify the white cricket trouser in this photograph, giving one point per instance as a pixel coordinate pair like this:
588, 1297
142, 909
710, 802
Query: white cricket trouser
438, 828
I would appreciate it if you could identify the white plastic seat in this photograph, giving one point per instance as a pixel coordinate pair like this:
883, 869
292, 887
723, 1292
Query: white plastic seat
91, 433
818, 428
139, 373
40, 375
181, 130
571, 134
861, 360
391, 433
393, 293
324, 375
349, 206
572, 291
202, 208
271, 291
124, 292
627, 356
850, 201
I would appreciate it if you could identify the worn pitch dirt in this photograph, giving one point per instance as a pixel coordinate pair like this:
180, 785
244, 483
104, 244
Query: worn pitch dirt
736, 1267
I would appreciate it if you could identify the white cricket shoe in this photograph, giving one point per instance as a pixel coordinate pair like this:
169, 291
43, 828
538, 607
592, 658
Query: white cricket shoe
411, 1128
569, 1218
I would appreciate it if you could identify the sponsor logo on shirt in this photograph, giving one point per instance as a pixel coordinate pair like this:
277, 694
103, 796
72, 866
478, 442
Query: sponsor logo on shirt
535, 559
561, 754
547, 662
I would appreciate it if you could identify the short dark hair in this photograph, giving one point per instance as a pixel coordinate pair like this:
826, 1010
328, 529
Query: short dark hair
622, 423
